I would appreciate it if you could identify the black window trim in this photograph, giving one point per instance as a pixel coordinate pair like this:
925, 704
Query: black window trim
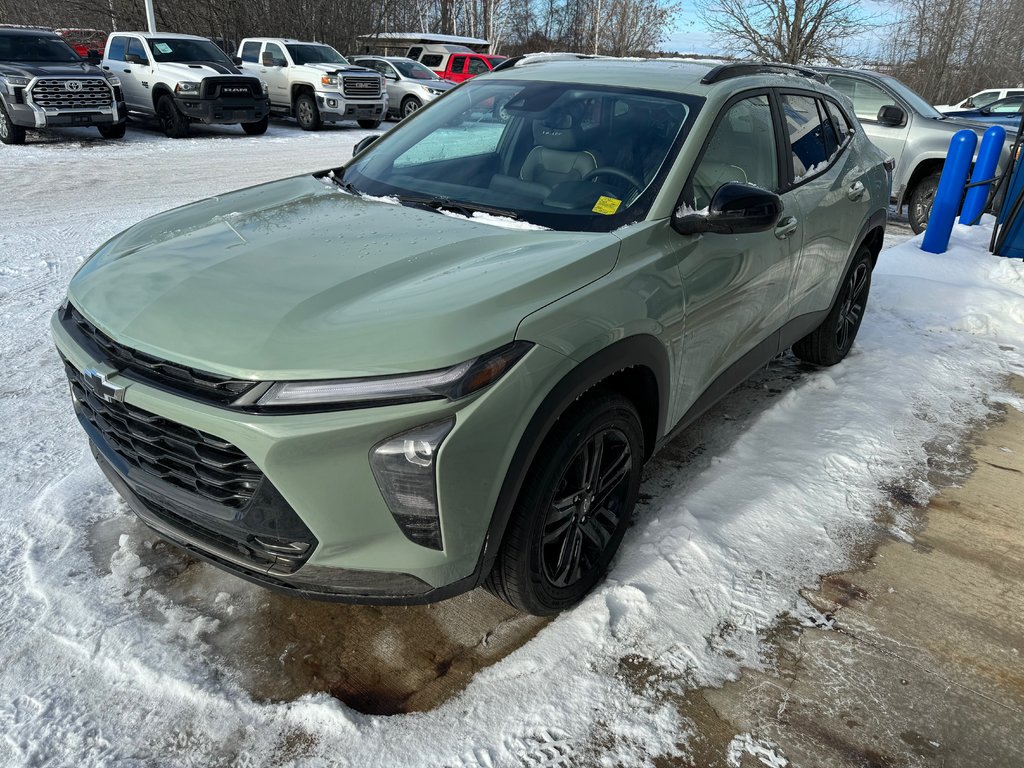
791, 183
733, 100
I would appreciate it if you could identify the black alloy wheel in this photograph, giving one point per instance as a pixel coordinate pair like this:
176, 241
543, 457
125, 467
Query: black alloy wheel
851, 312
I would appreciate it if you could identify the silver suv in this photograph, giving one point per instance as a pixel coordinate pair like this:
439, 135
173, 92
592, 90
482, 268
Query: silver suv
904, 125
410, 84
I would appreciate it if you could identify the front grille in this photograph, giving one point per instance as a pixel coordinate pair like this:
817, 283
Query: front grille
54, 93
186, 458
361, 87
180, 379
230, 88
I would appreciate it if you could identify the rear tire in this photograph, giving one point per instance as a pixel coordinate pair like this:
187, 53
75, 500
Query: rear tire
919, 205
173, 123
258, 128
112, 131
9, 132
831, 341
574, 507
307, 112
369, 125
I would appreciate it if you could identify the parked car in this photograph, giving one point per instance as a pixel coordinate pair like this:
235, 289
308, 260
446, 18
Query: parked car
396, 405
1004, 112
410, 84
45, 84
980, 99
452, 62
184, 79
84, 40
315, 83
904, 125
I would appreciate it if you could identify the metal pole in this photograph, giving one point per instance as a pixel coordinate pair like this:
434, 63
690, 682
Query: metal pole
150, 17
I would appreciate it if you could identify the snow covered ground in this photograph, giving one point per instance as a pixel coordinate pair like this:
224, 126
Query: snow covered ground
102, 664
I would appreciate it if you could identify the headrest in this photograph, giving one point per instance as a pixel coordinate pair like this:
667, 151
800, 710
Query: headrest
559, 133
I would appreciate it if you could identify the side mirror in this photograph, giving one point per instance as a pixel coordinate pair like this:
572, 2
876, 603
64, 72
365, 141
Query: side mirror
94, 57
969, 103
134, 58
236, 60
390, 76
891, 115
736, 209
364, 143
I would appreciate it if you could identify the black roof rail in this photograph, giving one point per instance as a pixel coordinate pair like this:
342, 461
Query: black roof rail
742, 68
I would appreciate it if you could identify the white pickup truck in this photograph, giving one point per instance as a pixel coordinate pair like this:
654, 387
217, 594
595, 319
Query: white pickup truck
315, 83
182, 79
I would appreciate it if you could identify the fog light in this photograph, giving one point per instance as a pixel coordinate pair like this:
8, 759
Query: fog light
332, 103
406, 473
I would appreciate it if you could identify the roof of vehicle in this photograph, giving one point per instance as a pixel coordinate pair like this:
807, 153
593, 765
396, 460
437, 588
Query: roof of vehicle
665, 74
162, 35
284, 40
22, 30
420, 37
382, 58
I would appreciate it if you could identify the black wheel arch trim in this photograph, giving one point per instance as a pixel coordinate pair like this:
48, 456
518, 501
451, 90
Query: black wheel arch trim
641, 350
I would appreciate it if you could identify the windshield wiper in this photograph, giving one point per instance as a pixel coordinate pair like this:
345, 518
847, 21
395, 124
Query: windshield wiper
438, 203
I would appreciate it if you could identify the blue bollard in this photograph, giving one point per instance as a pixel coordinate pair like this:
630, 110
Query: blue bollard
951, 188
984, 168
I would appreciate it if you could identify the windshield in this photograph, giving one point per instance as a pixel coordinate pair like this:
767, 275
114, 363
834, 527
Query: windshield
560, 155
304, 53
30, 47
185, 50
414, 70
917, 103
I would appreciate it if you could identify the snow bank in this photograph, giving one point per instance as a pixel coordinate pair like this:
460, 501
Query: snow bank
771, 489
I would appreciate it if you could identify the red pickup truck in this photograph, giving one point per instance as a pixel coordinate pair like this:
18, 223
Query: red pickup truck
454, 62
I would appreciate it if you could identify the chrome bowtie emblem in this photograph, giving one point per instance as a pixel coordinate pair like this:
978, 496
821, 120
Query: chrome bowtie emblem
99, 386
73, 85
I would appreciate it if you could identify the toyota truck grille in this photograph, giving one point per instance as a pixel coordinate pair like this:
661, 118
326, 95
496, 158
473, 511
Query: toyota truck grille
187, 458
172, 377
72, 93
362, 87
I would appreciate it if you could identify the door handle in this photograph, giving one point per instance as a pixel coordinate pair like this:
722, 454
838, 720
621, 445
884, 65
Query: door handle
786, 227
128, 71
856, 191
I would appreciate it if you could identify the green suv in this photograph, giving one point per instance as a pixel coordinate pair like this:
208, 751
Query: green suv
444, 364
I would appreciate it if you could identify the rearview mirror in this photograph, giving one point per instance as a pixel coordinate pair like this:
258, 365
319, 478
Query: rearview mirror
364, 143
735, 209
891, 115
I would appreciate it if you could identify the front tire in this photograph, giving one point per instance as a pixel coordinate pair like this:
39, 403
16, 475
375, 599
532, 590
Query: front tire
112, 131
831, 341
574, 508
258, 128
173, 123
9, 132
919, 207
369, 125
307, 113
410, 105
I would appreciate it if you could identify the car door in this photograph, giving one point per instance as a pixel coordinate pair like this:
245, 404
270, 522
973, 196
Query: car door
735, 287
136, 77
274, 72
827, 189
868, 98
456, 69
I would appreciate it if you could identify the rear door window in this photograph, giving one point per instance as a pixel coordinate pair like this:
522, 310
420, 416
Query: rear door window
458, 65
251, 51
118, 46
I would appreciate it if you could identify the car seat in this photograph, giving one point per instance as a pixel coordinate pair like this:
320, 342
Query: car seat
555, 158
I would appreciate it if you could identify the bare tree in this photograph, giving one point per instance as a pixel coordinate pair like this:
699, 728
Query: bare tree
790, 31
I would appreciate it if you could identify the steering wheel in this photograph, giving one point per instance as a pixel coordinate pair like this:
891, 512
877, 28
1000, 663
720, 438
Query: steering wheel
609, 170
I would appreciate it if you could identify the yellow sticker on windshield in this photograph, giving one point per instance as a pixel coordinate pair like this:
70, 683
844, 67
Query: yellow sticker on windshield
606, 205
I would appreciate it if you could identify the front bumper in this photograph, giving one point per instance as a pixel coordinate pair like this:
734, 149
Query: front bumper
30, 115
224, 110
335, 107
317, 468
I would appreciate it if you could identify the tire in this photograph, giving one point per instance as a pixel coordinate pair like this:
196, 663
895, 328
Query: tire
112, 131
369, 124
258, 128
409, 105
9, 132
831, 341
562, 537
919, 206
173, 123
307, 112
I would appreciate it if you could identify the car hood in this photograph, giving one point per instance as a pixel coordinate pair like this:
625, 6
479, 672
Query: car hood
350, 69
297, 279
196, 71
42, 69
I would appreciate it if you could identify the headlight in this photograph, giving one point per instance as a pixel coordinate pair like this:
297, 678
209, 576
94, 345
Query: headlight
329, 80
115, 81
187, 89
18, 82
446, 384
